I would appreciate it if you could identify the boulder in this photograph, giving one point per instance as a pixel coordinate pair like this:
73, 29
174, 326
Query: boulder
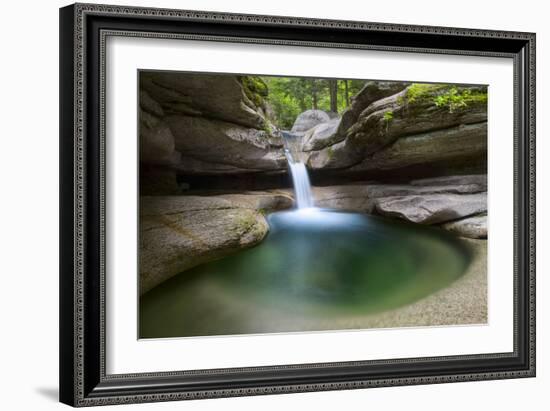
180, 232
335, 156
309, 119
472, 227
321, 135
363, 197
412, 126
371, 92
432, 208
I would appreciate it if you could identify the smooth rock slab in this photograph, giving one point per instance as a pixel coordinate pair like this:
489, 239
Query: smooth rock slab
472, 227
479, 180
432, 208
180, 232
344, 197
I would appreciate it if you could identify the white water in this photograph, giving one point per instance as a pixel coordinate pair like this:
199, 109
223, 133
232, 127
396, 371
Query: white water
302, 186
298, 170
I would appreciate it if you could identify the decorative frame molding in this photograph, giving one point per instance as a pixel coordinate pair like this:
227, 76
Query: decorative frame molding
83, 32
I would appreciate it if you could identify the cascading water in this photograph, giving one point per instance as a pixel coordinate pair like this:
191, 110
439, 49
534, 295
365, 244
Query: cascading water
300, 177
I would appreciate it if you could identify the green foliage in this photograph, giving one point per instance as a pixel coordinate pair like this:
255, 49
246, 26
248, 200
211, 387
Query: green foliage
290, 96
388, 117
287, 97
454, 99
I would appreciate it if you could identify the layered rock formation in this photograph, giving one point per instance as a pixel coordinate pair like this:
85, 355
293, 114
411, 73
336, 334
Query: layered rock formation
206, 124
457, 203
418, 125
219, 125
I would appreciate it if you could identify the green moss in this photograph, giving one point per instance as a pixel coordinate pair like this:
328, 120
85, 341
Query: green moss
257, 85
455, 99
452, 98
244, 223
330, 152
268, 128
421, 91
255, 89
388, 117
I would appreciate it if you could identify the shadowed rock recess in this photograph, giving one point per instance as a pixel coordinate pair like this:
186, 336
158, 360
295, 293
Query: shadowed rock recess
212, 162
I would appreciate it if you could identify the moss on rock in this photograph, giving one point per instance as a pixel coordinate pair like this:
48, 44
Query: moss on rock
446, 96
255, 89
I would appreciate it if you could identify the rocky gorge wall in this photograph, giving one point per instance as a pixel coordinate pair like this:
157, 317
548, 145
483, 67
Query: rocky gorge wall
416, 152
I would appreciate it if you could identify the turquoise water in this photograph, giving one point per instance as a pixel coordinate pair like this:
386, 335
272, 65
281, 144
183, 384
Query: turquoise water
315, 269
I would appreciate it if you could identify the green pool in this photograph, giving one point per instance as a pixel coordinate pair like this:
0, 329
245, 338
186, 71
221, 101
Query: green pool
314, 267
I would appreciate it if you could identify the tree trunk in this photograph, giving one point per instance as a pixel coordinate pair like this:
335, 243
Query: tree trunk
346, 91
333, 88
314, 94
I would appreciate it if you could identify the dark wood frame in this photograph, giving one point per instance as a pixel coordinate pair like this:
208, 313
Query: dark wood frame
83, 29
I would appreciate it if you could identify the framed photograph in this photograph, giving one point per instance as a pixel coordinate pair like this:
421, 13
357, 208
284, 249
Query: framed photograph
261, 204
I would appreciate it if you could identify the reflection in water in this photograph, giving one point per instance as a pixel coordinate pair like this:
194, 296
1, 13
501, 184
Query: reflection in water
315, 266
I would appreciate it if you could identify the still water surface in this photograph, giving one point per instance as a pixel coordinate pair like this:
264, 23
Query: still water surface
315, 268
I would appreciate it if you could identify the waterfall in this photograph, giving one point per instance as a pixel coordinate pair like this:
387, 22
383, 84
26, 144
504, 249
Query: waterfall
302, 187
298, 170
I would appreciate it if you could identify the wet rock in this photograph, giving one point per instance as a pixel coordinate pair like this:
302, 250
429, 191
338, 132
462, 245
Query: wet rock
427, 201
180, 232
343, 197
472, 227
432, 208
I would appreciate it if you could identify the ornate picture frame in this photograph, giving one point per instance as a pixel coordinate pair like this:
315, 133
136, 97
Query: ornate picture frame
84, 29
